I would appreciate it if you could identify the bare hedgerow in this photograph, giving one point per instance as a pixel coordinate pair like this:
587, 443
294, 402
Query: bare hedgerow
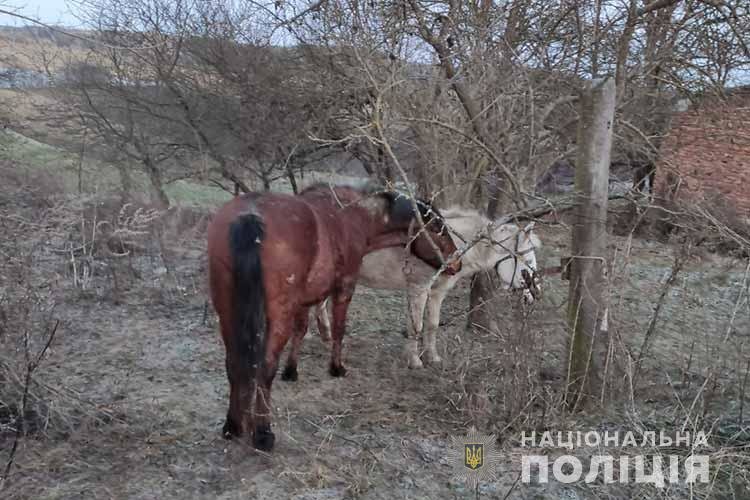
29, 331
31, 404
28, 326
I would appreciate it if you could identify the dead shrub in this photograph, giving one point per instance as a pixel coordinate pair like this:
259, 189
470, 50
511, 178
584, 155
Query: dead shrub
101, 241
31, 404
27, 330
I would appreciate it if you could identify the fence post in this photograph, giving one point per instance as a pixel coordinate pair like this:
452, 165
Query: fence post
587, 299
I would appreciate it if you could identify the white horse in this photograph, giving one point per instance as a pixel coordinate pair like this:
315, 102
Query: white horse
506, 248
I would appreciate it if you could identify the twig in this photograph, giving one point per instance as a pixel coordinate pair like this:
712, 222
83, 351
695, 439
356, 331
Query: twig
676, 268
344, 438
31, 365
512, 487
742, 393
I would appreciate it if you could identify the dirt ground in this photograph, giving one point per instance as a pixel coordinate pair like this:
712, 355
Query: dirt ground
154, 373
145, 376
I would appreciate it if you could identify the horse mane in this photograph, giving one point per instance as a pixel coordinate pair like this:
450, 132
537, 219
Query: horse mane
365, 186
455, 211
402, 207
400, 204
535, 241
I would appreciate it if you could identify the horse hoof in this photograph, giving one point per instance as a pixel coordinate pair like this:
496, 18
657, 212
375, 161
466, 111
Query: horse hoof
337, 371
434, 359
263, 439
289, 374
415, 364
230, 429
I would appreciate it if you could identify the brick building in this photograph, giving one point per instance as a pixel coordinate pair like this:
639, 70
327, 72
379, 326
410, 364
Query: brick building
705, 156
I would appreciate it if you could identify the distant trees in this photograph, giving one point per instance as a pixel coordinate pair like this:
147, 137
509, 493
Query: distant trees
180, 91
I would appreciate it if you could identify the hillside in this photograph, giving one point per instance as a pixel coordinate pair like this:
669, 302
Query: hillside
37, 49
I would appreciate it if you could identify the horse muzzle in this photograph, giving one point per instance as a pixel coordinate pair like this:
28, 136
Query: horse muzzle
453, 267
534, 291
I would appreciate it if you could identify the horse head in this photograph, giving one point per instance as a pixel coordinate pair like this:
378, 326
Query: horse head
435, 236
514, 250
431, 243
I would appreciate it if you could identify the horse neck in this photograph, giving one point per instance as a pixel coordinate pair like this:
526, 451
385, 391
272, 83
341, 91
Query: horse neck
465, 223
370, 218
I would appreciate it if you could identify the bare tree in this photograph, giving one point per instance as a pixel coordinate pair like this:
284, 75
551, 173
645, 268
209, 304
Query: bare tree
192, 90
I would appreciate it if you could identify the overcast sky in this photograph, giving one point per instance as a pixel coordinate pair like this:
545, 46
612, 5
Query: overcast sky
48, 11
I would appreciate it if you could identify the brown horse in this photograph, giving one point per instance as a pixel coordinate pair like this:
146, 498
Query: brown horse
272, 256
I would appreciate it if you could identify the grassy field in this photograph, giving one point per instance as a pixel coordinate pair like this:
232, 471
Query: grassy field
36, 146
38, 158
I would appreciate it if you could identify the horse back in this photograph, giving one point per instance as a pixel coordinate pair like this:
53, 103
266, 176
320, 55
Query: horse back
342, 242
293, 243
309, 242
290, 235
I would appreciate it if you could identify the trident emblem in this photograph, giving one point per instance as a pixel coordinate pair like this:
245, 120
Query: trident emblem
474, 455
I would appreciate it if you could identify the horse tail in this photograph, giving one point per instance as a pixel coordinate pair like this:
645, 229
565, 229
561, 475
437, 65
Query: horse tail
245, 238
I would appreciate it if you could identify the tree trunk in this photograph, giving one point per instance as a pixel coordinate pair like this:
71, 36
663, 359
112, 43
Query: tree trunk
587, 300
482, 286
485, 284
626, 37
595, 43
126, 181
292, 178
623, 48
157, 185
384, 166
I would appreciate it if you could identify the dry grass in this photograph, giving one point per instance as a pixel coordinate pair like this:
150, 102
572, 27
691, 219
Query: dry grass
37, 49
130, 396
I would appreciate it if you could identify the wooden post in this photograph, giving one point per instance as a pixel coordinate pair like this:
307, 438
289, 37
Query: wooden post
587, 298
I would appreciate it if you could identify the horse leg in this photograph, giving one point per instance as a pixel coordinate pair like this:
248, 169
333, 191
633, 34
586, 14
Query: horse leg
341, 301
278, 333
323, 320
417, 299
301, 322
237, 366
240, 391
433, 322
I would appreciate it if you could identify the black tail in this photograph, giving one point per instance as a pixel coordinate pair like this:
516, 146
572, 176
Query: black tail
245, 237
